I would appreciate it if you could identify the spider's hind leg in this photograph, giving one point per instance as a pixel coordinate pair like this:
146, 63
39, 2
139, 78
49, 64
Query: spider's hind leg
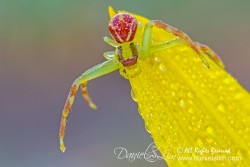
205, 49
85, 95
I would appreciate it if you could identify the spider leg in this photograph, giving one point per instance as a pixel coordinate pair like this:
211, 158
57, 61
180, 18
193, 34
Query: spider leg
110, 42
205, 49
94, 72
69, 102
85, 95
166, 45
147, 39
109, 55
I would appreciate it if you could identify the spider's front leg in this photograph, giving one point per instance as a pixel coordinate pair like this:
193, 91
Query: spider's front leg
182, 38
99, 70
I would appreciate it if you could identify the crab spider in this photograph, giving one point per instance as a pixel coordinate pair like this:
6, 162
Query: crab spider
123, 28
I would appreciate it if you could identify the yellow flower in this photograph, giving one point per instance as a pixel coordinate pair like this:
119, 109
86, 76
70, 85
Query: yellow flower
188, 108
196, 116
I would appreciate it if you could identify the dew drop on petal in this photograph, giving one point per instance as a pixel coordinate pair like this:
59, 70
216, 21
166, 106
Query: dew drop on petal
190, 94
182, 103
210, 131
162, 67
238, 96
133, 95
221, 107
157, 59
200, 143
190, 110
139, 110
205, 63
146, 127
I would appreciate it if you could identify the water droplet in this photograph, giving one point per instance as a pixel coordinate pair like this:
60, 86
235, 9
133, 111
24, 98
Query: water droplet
190, 94
174, 86
227, 80
210, 131
163, 82
157, 59
210, 140
177, 57
221, 107
205, 63
146, 127
200, 143
140, 111
190, 110
238, 96
133, 95
182, 103
162, 67
193, 76
174, 103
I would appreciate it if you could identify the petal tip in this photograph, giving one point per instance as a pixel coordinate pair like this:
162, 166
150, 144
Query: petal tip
111, 11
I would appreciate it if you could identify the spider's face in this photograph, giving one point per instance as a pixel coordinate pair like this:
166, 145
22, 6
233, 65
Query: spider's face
123, 27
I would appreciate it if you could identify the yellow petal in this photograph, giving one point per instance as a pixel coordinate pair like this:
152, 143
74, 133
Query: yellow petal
111, 12
187, 108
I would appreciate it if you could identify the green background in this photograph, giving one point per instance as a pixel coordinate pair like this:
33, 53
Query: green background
46, 44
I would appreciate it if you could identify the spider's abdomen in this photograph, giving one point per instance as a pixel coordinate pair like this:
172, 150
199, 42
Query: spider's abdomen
123, 27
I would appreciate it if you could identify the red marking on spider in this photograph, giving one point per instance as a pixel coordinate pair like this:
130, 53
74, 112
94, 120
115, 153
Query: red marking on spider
129, 62
73, 90
123, 27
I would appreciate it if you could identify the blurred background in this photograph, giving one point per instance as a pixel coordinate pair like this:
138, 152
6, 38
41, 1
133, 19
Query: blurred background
46, 44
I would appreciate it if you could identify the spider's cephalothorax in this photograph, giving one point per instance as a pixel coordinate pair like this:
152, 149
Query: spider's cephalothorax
123, 28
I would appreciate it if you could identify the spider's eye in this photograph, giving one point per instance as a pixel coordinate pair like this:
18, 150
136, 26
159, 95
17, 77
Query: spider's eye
123, 27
